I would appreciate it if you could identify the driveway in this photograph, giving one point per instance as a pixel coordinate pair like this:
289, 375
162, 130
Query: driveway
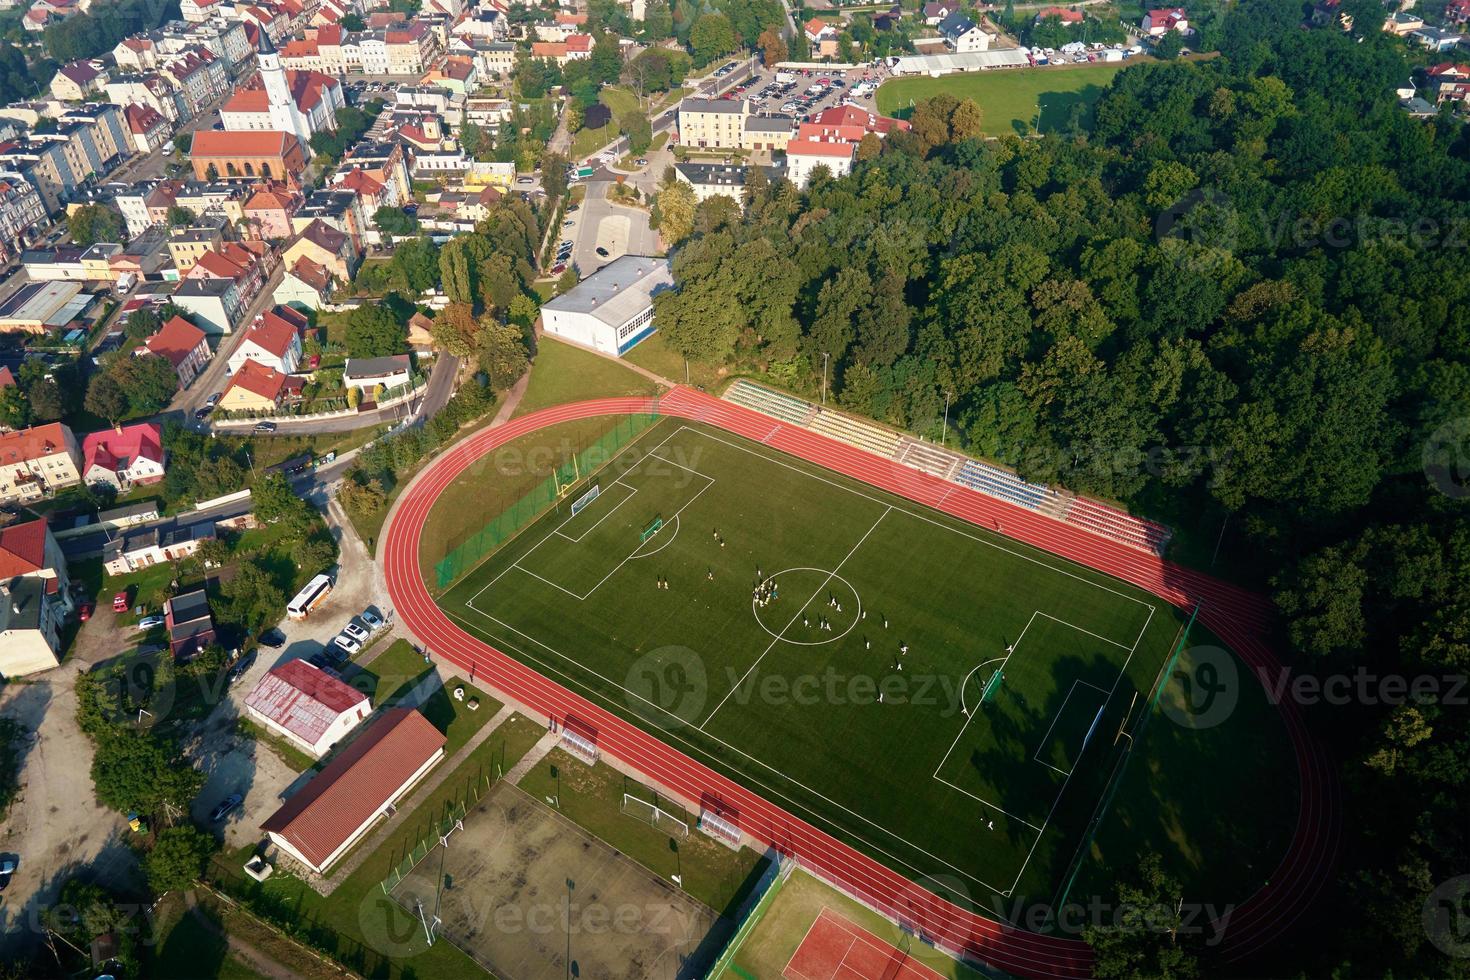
56, 827
235, 764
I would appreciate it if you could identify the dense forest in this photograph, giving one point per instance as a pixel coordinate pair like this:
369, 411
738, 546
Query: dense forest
1238, 298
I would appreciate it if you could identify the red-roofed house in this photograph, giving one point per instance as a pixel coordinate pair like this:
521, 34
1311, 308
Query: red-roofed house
1062, 14
185, 346
238, 267
123, 457
579, 47
38, 460
7, 380
273, 341
328, 815
851, 115
36, 590
257, 388
1157, 23
269, 211
1457, 12
310, 707
317, 97
804, 156
554, 50
147, 127
822, 37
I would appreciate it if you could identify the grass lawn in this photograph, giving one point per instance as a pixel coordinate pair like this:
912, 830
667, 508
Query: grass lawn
620, 101
656, 356
188, 948
562, 373
398, 670
358, 924
767, 695
269, 450
591, 797
1009, 99
475, 497
769, 947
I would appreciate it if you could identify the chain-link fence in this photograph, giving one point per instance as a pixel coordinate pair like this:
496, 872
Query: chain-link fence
565, 478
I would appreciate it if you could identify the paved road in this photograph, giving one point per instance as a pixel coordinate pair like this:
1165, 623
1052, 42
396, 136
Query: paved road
216, 371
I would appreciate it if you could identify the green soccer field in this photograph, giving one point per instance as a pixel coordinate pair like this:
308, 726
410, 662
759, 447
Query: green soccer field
1013, 100
779, 687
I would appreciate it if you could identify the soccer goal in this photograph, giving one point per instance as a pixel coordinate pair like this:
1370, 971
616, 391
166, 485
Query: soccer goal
655, 816
593, 492
651, 529
991, 685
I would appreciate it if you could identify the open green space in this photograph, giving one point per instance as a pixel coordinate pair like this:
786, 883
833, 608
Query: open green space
1010, 100
778, 687
617, 99
564, 373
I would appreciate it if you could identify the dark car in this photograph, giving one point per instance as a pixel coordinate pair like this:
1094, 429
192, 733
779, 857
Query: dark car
226, 805
265, 427
602, 251
240, 667
202, 413
559, 268
274, 639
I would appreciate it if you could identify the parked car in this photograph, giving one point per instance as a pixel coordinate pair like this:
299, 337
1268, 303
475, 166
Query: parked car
320, 662
265, 427
150, 622
7, 871
568, 223
240, 667
84, 611
201, 413
120, 601
226, 805
347, 644
274, 639
559, 268
355, 632
641, 161
525, 180
602, 251
373, 620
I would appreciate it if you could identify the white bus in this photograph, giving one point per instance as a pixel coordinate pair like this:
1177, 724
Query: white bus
313, 595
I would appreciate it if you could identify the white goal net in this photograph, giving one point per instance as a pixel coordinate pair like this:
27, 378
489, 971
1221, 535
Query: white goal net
655, 816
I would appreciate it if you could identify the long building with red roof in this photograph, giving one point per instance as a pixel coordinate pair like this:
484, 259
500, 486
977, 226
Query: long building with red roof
322, 821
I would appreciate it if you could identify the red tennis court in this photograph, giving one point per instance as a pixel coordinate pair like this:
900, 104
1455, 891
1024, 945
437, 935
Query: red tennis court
835, 949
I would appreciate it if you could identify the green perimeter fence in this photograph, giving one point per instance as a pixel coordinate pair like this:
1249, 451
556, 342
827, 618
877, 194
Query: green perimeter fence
569, 474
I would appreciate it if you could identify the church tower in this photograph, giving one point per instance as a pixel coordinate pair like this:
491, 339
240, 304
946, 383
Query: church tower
285, 116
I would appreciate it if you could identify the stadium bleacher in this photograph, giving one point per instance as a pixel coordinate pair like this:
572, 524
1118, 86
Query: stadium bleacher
855, 432
1000, 483
777, 404
1098, 518
930, 459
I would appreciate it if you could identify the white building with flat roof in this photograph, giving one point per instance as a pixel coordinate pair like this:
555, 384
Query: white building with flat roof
612, 309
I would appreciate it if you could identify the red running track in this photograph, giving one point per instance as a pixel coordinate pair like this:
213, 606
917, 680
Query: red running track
1240, 618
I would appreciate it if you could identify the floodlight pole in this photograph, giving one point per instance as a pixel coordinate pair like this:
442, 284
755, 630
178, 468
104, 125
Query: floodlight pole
825, 356
944, 435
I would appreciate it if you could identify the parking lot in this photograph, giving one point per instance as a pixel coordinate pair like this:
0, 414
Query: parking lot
807, 92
